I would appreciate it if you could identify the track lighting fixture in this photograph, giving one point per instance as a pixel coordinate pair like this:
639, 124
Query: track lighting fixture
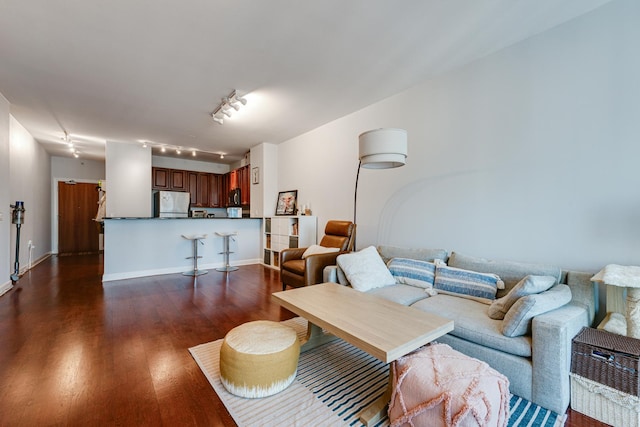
226, 107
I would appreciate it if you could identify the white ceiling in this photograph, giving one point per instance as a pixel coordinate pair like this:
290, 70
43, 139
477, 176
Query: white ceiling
129, 70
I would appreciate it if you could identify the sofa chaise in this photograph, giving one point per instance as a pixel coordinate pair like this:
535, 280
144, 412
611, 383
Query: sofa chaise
536, 363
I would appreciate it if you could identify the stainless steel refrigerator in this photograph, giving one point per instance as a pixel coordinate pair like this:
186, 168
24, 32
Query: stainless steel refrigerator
171, 204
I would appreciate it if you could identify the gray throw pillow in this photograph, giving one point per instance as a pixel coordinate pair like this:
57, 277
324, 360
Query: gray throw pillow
527, 286
517, 321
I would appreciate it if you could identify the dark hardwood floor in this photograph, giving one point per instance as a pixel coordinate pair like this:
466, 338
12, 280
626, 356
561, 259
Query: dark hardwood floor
76, 353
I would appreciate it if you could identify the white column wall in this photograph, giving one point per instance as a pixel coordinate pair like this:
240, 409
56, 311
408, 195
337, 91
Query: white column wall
5, 212
528, 154
128, 175
31, 183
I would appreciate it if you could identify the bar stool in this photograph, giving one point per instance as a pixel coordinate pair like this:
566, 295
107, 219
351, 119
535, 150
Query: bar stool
226, 252
195, 239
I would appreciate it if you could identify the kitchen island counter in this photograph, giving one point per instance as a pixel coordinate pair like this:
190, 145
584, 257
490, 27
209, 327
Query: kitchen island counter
166, 218
148, 246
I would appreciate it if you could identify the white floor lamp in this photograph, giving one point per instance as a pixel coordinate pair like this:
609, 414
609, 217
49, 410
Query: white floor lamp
380, 149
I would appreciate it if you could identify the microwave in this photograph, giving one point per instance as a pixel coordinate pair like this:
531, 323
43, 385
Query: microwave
234, 197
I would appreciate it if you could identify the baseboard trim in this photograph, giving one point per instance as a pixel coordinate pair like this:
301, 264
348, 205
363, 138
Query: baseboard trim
112, 277
34, 263
5, 287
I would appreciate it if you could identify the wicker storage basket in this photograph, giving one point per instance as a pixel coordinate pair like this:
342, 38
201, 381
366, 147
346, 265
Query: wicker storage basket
607, 358
604, 403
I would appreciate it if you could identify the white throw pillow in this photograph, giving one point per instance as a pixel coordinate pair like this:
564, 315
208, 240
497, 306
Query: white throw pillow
317, 249
365, 270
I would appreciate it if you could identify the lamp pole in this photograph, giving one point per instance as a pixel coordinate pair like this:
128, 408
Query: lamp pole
379, 149
355, 203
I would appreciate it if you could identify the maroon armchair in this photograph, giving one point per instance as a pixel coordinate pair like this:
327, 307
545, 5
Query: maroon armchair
297, 272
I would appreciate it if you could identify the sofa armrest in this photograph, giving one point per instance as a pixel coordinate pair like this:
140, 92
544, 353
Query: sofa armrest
330, 274
314, 264
291, 253
552, 333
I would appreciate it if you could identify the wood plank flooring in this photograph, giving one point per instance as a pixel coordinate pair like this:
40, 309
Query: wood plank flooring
73, 352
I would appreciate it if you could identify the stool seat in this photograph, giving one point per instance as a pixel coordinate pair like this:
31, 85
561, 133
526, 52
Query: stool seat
195, 238
438, 386
259, 359
226, 235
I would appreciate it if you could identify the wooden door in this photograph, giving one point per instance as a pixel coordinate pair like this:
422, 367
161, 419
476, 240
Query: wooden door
77, 207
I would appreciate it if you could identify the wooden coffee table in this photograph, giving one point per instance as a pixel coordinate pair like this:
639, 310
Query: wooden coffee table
384, 329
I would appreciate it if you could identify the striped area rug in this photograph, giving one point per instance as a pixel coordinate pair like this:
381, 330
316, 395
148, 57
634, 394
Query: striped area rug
334, 383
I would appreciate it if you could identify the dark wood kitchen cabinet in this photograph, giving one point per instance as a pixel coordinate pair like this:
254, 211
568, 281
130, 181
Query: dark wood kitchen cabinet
216, 191
207, 190
168, 179
198, 184
160, 179
177, 180
240, 178
244, 182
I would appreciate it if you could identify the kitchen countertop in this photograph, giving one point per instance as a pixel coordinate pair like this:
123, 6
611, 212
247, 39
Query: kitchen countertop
166, 218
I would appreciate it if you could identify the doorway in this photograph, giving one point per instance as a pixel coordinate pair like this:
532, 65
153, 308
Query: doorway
77, 207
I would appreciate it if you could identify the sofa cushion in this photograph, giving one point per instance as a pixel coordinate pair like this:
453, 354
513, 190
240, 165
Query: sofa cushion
388, 252
413, 272
472, 324
527, 286
509, 271
402, 294
517, 321
466, 283
365, 270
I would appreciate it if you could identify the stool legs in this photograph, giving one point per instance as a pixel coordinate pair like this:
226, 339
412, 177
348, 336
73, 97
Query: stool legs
227, 267
195, 271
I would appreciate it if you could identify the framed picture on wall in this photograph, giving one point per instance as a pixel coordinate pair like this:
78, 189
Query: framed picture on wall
255, 175
286, 204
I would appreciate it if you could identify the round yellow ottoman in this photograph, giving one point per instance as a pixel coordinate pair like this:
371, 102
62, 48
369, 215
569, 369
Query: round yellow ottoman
258, 359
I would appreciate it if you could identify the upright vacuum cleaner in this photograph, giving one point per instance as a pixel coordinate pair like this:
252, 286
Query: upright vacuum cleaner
17, 218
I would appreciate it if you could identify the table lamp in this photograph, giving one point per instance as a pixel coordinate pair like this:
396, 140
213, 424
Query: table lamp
379, 149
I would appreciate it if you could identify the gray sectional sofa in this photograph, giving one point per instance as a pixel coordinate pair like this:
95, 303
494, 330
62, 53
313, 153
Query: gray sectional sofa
537, 364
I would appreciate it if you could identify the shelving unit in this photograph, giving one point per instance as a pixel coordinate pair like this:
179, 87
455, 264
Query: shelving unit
283, 232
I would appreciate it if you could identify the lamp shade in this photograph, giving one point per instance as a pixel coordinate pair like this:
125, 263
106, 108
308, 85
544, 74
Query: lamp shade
383, 148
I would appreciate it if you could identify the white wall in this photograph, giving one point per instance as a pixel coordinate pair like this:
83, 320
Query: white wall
529, 154
31, 183
128, 174
264, 157
5, 212
189, 165
65, 168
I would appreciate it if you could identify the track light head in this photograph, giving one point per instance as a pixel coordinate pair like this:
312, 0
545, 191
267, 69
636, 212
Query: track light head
218, 117
228, 102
